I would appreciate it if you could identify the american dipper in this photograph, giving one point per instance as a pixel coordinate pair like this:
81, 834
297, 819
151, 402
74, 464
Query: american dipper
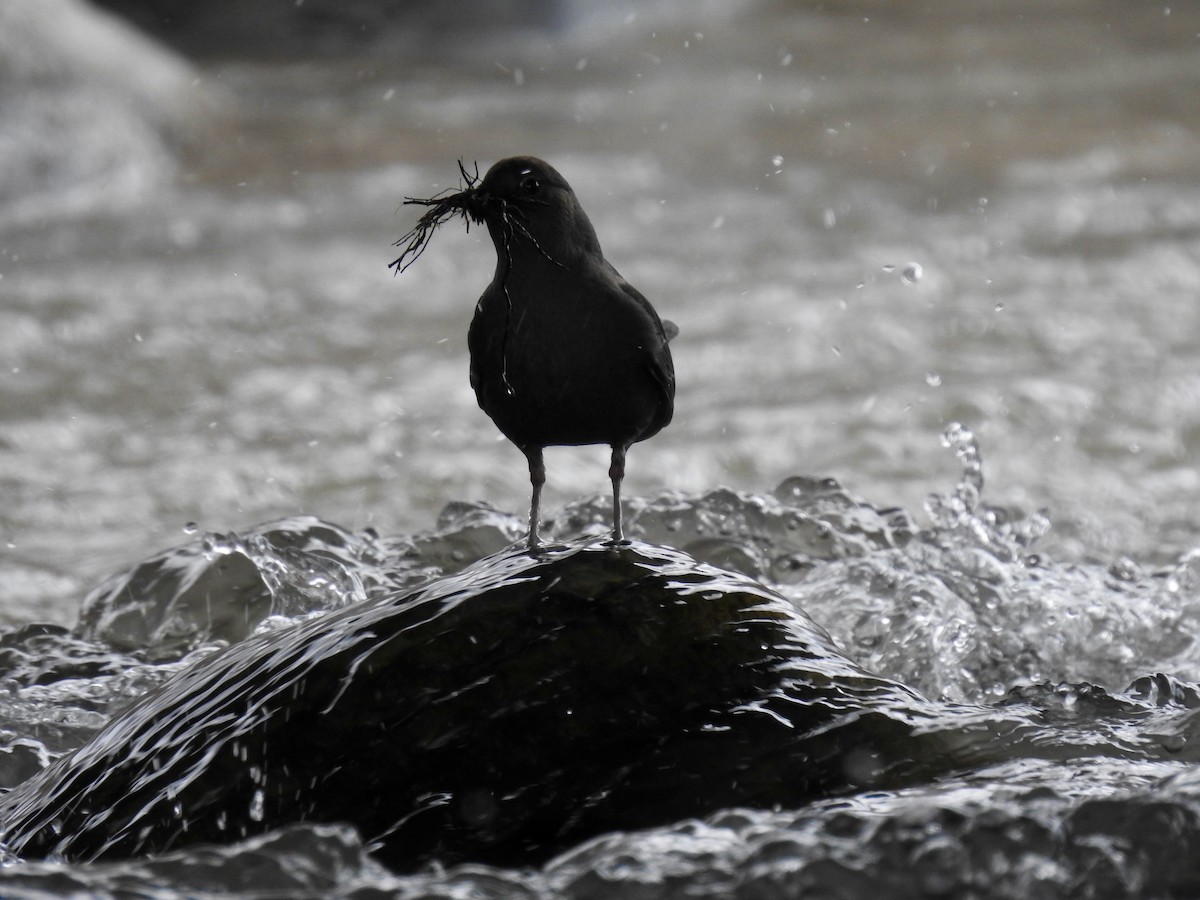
564, 351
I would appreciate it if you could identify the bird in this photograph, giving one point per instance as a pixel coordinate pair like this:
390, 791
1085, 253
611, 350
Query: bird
563, 350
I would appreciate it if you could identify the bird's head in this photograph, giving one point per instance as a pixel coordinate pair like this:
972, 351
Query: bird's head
528, 207
529, 210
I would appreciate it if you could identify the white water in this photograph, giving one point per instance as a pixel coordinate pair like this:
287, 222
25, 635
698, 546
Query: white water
204, 351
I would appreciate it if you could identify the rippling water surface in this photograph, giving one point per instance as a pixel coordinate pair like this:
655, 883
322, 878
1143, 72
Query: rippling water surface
869, 223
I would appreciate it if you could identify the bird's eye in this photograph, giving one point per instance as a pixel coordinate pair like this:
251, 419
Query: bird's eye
531, 186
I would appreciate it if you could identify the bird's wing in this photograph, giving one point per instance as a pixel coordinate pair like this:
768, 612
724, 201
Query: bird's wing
669, 329
662, 369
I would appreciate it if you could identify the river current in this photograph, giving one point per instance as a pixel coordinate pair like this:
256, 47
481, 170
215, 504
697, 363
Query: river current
906, 248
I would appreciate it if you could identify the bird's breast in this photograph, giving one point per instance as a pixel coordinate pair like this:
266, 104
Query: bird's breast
563, 360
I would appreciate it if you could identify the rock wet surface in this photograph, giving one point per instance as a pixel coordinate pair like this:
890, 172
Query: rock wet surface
499, 714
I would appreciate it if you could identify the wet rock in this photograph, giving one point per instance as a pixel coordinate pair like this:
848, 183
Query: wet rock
501, 714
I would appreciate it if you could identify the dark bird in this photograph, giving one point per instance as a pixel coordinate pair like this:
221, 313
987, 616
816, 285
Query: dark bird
564, 351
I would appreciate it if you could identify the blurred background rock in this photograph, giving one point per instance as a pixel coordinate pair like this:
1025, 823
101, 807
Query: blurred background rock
285, 28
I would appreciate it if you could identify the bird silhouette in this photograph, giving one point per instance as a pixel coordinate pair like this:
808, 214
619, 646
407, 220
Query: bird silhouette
564, 351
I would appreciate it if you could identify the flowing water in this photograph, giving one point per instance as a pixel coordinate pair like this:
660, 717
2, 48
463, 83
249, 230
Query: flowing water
883, 232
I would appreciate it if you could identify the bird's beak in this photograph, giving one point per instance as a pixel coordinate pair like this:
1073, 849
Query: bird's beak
474, 202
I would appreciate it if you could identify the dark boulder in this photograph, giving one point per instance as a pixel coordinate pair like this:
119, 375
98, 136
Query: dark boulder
501, 714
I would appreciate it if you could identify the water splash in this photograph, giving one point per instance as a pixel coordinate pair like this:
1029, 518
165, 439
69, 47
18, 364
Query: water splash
953, 510
961, 513
964, 610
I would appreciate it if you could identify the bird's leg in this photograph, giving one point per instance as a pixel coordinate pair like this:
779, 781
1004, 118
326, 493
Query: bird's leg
537, 477
616, 472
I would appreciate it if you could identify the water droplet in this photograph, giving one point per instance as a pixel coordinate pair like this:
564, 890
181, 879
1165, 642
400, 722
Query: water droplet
911, 273
190, 528
1124, 569
999, 307
256, 806
933, 379
829, 219
957, 436
777, 161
